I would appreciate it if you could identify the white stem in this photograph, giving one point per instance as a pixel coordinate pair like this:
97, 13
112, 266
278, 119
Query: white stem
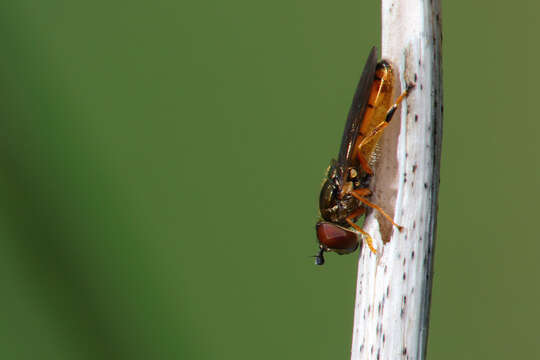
393, 293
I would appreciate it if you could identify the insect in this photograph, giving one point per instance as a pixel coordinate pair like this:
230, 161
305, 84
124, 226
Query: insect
345, 191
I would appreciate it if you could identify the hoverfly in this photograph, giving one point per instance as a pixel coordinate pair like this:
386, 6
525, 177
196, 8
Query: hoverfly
344, 193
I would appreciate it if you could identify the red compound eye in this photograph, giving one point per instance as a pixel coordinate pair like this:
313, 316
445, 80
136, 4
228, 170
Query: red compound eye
335, 238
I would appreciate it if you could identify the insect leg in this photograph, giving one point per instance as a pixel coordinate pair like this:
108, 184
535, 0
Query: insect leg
379, 128
360, 193
350, 221
400, 98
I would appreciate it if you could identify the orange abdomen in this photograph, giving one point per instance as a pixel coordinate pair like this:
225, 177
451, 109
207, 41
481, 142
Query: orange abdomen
379, 102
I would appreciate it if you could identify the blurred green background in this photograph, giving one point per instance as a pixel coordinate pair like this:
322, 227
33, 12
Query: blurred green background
161, 162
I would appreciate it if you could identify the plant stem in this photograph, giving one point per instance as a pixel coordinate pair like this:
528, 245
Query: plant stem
393, 294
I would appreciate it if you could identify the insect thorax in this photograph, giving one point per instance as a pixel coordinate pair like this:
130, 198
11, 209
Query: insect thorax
335, 207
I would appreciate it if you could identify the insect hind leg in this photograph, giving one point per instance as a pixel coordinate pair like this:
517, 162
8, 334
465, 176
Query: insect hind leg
389, 115
400, 98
